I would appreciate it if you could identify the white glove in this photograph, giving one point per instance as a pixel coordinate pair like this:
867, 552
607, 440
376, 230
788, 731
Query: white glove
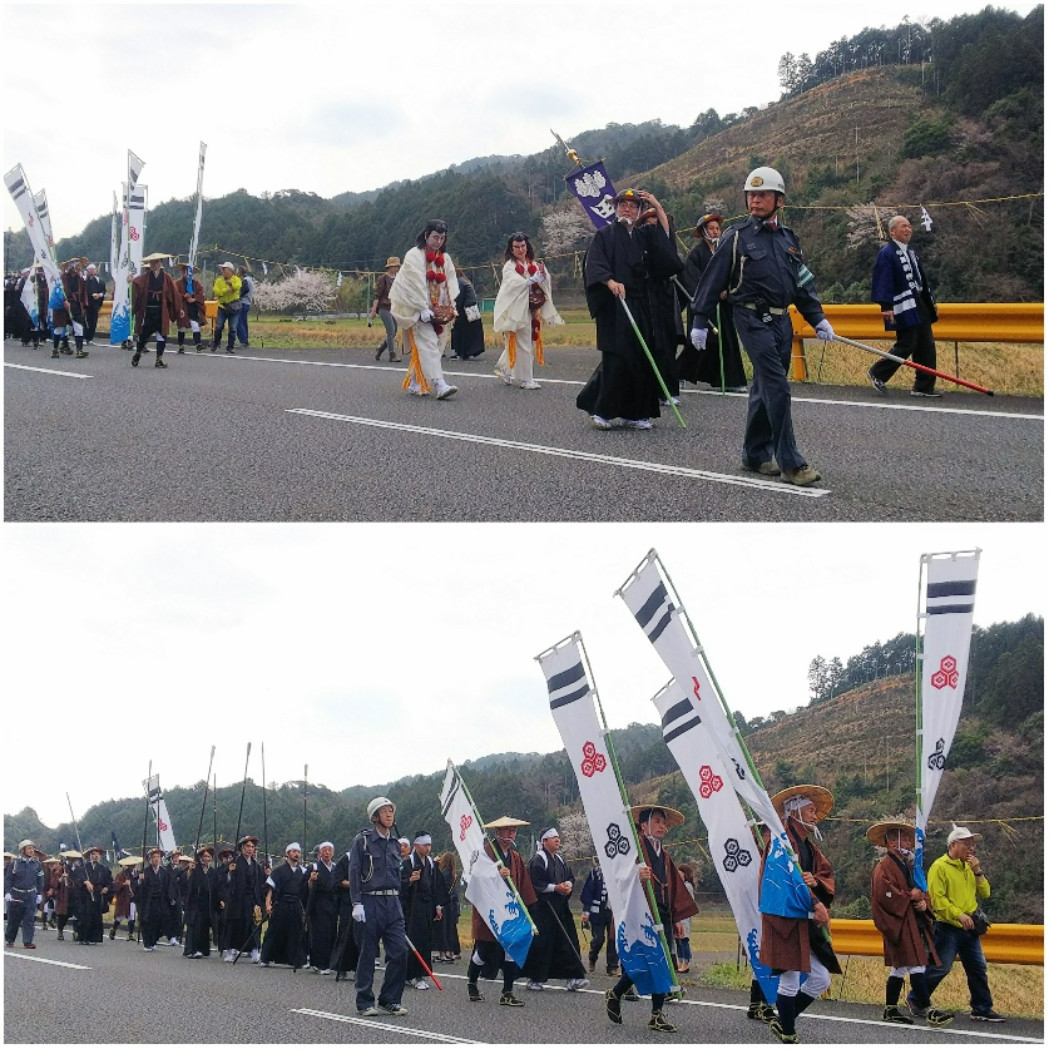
7, 897
699, 338
824, 330
424, 316
537, 278
358, 912
39, 899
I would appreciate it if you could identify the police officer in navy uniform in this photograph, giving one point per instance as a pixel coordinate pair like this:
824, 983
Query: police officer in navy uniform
759, 263
375, 889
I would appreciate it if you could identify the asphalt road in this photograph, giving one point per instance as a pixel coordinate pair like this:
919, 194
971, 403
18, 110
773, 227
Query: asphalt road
116, 993
329, 435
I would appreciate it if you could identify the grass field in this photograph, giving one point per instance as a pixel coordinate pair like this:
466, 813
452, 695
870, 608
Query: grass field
1007, 368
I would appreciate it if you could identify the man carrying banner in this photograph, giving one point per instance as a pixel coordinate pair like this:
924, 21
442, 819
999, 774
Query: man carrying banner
488, 956
623, 263
792, 946
555, 952
155, 304
903, 916
190, 290
672, 900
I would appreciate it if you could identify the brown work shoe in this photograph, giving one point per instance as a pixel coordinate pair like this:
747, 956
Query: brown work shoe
766, 469
803, 476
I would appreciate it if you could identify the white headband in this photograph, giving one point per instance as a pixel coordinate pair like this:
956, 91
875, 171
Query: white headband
423, 839
551, 833
294, 845
324, 844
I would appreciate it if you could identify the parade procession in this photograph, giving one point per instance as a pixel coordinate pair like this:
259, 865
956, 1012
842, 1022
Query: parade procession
381, 913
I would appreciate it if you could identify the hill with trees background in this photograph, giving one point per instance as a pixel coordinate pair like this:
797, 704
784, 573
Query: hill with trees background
945, 115
855, 736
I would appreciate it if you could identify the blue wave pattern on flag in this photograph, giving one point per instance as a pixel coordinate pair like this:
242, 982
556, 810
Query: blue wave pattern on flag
641, 952
486, 888
783, 892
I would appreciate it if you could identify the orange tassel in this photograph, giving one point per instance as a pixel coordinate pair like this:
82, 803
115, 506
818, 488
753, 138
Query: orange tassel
539, 351
415, 369
511, 349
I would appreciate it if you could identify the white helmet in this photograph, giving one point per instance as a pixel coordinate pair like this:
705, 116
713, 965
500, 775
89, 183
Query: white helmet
377, 803
765, 179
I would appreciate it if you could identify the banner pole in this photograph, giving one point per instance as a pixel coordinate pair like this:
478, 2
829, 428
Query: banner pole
652, 361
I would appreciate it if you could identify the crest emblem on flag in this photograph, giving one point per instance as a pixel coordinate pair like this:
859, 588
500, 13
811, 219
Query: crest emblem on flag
592, 760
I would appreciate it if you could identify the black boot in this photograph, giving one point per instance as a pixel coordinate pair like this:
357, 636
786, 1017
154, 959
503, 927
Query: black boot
181, 342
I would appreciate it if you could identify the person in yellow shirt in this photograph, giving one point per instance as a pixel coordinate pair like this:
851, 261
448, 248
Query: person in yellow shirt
956, 885
227, 291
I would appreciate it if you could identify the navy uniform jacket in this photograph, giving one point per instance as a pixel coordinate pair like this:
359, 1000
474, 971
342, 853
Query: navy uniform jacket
756, 264
375, 863
898, 284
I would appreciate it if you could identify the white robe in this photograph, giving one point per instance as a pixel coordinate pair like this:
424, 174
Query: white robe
512, 316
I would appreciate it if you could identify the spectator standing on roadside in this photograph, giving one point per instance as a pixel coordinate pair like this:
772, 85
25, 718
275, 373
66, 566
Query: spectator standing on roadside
247, 294
227, 291
381, 309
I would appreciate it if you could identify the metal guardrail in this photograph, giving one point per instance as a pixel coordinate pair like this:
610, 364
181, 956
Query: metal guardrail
959, 322
1015, 944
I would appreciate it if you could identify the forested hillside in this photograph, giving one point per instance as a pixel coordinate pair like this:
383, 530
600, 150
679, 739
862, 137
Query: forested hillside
945, 115
858, 743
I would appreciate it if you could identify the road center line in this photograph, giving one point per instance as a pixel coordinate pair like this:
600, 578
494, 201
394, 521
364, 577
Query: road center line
375, 1025
775, 487
47, 371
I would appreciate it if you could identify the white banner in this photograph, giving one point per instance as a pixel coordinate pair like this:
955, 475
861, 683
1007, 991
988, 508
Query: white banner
22, 195
194, 240
733, 848
159, 809
947, 595
40, 200
136, 229
647, 595
114, 245
120, 321
641, 953
502, 910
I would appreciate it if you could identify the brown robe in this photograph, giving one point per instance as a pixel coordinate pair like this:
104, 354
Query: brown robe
787, 942
900, 925
519, 873
184, 301
169, 302
674, 893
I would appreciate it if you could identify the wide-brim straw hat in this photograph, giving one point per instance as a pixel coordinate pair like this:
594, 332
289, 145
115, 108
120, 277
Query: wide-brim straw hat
392, 261
876, 833
819, 796
673, 817
129, 861
506, 821
156, 256
71, 854
246, 839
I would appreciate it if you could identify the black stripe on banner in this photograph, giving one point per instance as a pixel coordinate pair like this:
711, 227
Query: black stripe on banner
566, 677
939, 610
654, 633
683, 727
952, 588
648, 609
570, 698
451, 797
676, 711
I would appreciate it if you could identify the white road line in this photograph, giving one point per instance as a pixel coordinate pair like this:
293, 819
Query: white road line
43, 961
375, 1025
980, 1034
775, 487
47, 371
878, 405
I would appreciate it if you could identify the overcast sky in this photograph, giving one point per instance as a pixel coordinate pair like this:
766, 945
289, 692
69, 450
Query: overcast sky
334, 97
374, 652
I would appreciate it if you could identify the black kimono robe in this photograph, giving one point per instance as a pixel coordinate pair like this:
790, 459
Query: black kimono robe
624, 385
419, 901
285, 940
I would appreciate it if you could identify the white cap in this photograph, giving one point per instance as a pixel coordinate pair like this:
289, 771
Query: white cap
294, 845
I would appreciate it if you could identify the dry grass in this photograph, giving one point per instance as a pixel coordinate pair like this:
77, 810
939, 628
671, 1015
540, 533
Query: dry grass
1006, 368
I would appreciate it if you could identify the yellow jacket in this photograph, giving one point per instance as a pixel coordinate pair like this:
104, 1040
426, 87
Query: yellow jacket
227, 291
954, 889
